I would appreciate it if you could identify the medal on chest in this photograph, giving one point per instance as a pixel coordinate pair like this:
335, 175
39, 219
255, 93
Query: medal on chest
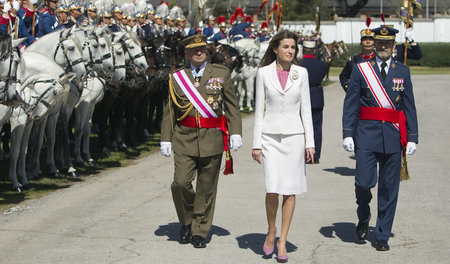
196, 82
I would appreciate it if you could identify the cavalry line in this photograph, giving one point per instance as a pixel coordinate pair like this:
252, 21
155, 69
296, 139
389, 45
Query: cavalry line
126, 215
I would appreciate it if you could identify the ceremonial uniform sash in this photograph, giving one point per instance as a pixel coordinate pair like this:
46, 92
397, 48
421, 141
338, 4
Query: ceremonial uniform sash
385, 110
193, 95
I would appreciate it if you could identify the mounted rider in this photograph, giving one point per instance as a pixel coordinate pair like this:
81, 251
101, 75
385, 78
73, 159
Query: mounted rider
208, 30
64, 16
238, 31
222, 34
47, 19
92, 15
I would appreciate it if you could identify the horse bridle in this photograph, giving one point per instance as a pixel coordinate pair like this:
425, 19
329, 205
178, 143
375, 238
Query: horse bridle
61, 46
12, 72
40, 98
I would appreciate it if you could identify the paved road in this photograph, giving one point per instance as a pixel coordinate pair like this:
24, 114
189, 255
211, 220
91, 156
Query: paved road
126, 215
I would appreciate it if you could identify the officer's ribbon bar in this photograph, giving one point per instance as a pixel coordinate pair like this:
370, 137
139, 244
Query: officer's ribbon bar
193, 95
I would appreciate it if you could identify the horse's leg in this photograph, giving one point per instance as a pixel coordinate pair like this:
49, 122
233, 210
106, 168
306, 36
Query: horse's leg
50, 131
241, 95
18, 120
21, 171
35, 143
249, 84
86, 136
81, 111
116, 120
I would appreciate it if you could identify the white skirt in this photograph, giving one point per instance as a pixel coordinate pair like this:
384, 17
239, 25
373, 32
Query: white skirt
284, 163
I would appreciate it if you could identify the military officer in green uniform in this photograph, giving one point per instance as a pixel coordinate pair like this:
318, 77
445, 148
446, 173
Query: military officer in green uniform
201, 119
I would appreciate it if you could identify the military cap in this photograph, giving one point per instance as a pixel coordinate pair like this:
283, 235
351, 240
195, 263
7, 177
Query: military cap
62, 9
74, 6
309, 44
385, 33
194, 41
107, 14
91, 7
116, 9
367, 33
139, 14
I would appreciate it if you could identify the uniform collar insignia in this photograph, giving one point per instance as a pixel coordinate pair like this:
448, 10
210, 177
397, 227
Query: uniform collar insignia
393, 65
373, 63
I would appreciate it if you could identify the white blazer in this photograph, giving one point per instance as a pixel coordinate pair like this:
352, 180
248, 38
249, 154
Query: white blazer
279, 111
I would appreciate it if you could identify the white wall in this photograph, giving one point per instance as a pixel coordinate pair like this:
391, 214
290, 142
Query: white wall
348, 30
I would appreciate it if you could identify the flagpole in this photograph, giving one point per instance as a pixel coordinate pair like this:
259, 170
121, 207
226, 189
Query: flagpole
405, 53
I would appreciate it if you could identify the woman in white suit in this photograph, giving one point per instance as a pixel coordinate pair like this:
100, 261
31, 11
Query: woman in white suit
282, 133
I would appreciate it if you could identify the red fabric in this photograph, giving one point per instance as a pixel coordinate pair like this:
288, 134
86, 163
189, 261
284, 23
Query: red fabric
219, 123
202, 122
28, 12
4, 20
368, 57
389, 115
309, 56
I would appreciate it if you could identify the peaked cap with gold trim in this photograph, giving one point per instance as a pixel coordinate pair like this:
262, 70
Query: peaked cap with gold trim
194, 41
385, 33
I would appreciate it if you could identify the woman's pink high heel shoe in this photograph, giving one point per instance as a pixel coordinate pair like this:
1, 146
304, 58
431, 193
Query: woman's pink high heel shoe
281, 258
269, 250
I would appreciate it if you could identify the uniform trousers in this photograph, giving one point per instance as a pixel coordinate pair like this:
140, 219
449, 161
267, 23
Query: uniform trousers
317, 117
196, 207
388, 186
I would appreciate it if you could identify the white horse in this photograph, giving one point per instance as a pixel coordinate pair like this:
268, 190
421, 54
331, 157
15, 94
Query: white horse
246, 73
39, 93
63, 47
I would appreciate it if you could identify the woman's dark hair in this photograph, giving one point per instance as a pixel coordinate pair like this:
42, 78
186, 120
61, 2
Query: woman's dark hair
270, 55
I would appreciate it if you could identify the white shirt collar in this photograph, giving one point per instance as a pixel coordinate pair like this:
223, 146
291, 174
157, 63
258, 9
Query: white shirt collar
379, 61
200, 73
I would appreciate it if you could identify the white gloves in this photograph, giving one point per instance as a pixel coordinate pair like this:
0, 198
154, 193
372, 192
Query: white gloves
235, 142
6, 7
410, 148
166, 148
16, 5
348, 144
408, 34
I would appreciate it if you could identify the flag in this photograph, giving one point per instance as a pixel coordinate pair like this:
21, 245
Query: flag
279, 14
404, 11
275, 6
264, 2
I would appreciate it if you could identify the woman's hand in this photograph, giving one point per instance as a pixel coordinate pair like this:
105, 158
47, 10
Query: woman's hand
309, 153
256, 155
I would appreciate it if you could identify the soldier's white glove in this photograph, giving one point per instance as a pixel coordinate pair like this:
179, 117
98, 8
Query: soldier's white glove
235, 142
410, 148
16, 5
348, 144
408, 34
166, 148
6, 8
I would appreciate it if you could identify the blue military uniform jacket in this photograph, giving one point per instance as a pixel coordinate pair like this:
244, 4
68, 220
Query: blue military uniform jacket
344, 77
47, 23
317, 70
208, 31
238, 31
413, 53
218, 36
374, 135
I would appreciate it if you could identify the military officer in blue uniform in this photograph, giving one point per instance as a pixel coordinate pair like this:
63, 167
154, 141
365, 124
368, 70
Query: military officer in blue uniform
317, 70
238, 31
107, 19
374, 126
208, 30
222, 34
367, 53
47, 19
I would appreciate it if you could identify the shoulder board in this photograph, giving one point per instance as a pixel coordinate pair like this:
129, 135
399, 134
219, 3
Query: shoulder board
351, 58
219, 66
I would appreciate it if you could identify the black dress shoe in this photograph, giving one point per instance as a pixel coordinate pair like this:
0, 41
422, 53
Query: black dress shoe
198, 242
185, 234
381, 245
362, 230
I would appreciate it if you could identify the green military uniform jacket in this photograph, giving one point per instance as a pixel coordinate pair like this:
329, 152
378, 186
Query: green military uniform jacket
217, 90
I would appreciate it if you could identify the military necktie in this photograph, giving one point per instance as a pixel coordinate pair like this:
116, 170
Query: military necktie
383, 71
197, 78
